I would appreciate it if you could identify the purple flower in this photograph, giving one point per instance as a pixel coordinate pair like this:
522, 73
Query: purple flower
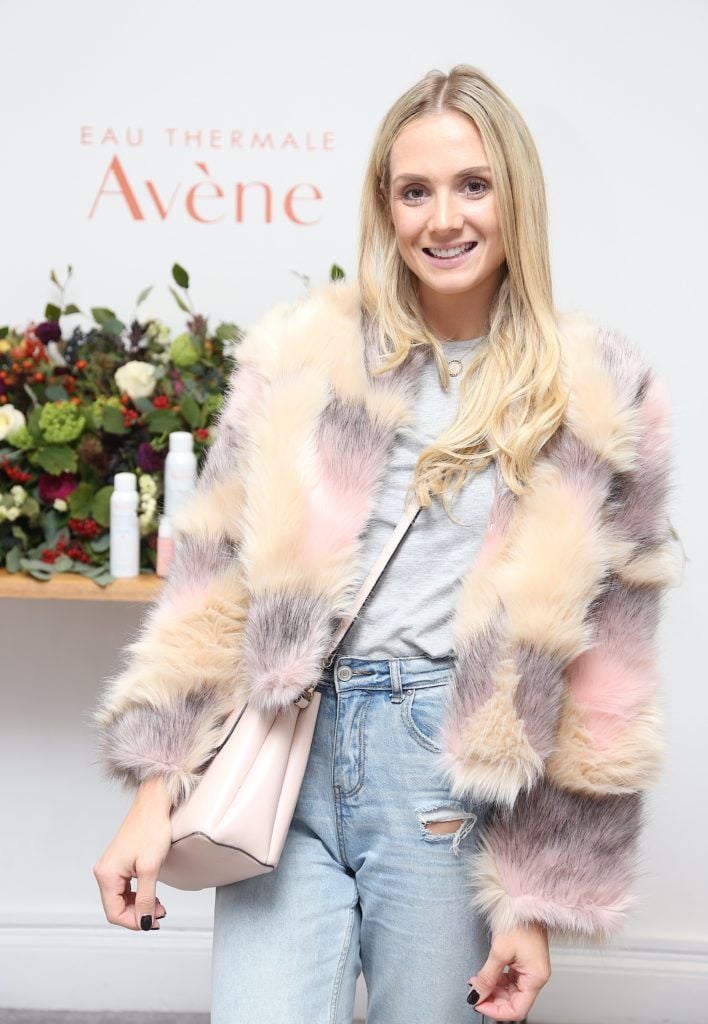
51, 486
49, 330
177, 382
148, 459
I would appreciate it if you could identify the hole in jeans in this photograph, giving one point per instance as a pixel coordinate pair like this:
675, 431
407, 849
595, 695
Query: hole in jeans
435, 827
442, 826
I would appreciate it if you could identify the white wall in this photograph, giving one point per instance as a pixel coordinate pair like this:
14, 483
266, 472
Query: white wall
615, 96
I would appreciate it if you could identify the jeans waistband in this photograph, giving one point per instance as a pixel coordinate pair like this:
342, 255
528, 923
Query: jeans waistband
390, 674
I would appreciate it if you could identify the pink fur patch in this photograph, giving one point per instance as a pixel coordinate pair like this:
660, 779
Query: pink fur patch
608, 690
250, 384
336, 508
656, 412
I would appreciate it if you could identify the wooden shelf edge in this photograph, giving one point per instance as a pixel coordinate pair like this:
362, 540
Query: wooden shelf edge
72, 586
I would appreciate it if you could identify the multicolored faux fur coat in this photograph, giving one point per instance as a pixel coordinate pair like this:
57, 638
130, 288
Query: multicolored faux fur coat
553, 718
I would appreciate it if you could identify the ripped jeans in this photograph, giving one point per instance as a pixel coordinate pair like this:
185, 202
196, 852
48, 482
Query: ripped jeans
374, 874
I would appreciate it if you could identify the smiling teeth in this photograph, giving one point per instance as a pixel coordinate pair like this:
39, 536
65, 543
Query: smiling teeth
452, 252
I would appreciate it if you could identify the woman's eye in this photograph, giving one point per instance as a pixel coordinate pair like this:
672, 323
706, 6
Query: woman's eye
477, 181
477, 191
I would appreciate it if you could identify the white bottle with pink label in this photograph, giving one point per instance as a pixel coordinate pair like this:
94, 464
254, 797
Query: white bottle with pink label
180, 471
124, 530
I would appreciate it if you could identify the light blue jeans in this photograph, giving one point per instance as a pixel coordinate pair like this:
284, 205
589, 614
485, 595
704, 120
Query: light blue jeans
362, 884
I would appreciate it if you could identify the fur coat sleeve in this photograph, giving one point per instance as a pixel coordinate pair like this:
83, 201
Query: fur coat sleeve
565, 851
160, 714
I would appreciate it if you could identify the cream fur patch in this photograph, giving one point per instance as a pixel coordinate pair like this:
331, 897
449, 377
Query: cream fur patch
635, 763
499, 760
597, 413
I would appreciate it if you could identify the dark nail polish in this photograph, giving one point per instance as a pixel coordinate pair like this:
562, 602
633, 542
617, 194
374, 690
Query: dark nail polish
473, 996
146, 922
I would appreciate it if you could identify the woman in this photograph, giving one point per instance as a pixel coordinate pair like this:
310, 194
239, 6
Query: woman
489, 724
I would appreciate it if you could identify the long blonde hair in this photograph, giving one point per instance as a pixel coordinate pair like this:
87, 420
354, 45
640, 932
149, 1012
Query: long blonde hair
517, 399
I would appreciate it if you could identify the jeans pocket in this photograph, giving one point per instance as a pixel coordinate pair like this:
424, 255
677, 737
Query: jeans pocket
422, 711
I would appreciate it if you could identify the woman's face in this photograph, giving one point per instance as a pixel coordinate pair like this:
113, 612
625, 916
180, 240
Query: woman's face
441, 197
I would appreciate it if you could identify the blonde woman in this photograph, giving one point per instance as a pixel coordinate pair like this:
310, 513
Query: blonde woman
489, 725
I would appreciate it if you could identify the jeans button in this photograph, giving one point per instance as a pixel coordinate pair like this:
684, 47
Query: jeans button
344, 673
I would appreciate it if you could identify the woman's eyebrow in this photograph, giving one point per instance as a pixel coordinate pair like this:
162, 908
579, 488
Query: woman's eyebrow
422, 177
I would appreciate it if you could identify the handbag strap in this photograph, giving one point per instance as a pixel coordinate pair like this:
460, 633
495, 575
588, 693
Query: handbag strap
409, 514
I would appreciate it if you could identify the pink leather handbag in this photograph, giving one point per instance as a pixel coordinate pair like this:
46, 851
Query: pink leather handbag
234, 824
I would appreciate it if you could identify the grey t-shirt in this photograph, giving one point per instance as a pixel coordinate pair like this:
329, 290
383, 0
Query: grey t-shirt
409, 611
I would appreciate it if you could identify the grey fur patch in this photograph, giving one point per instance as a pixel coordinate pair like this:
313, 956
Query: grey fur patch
199, 560
539, 694
569, 848
150, 740
285, 640
350, 442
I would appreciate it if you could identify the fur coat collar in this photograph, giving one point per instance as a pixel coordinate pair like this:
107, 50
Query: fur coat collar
552, 722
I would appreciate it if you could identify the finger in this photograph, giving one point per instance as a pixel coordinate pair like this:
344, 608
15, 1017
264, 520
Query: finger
506, 1006
145, 898
114, 886
487, 978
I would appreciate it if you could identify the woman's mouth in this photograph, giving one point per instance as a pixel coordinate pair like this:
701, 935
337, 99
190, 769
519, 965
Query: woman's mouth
451, 256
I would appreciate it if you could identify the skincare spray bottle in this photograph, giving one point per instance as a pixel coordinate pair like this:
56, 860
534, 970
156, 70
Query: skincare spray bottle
124, 529
180, 471
165, 546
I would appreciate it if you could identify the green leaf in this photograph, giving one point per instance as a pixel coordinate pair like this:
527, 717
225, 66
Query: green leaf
160, 420
57, 458
19, 534
104, 580
113, 420
143, 404
4, 331
33, 563
33, 423
80, 500
143, 295
113, 326
226, 332
62, 563
190, 410
99, 545
182, 305
336, 273
101, 506
52, 312
71, 308
12, 559
56, 393
180, 275
50, 525
101, 314
40, 574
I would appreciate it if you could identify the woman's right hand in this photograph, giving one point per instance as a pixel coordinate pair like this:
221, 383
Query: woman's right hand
137, 851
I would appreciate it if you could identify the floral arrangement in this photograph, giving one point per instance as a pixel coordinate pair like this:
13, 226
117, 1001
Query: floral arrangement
76, 410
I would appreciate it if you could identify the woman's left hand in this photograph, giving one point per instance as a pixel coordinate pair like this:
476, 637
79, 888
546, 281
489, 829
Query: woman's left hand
510, 996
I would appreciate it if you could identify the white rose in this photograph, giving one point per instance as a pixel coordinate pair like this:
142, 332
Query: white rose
12, 513
55, 356
18, 493
10, 419
136, 378
60, 505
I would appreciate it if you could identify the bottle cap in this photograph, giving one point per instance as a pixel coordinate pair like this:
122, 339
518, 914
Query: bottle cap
125, 482
181, 441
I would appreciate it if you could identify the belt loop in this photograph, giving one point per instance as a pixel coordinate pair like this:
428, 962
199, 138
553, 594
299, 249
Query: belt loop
394, 666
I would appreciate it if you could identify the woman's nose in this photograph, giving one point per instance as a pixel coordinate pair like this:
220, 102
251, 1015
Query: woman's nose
444, 216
